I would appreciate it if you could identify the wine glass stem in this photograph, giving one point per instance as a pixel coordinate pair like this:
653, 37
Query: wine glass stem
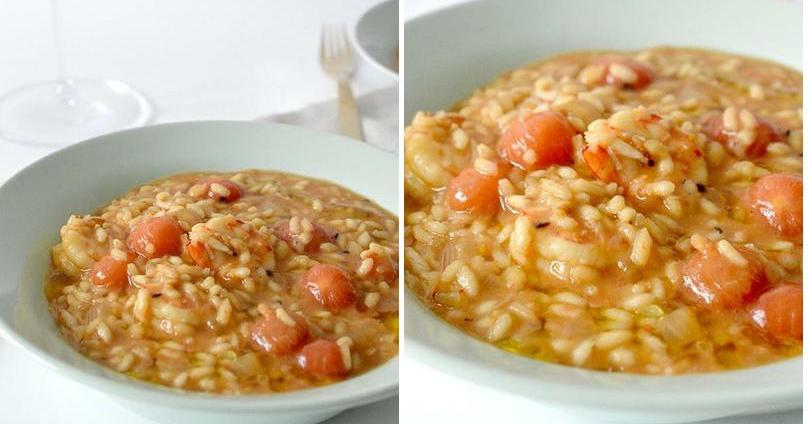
64, 89
58, 44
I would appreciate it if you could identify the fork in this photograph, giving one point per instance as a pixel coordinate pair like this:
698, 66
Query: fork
336, 59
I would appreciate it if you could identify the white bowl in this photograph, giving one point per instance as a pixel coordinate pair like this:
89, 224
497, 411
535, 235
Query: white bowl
375, 35
80, 178
451, 52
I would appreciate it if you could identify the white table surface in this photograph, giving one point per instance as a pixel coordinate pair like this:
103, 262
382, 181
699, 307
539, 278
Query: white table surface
194, 60
429, 396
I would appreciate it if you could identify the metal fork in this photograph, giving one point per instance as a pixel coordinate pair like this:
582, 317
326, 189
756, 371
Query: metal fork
336, 58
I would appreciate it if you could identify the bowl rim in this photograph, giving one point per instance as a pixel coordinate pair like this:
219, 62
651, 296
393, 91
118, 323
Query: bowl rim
332, 396
364, 54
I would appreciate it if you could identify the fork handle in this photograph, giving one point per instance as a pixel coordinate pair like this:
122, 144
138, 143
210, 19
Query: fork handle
349, 120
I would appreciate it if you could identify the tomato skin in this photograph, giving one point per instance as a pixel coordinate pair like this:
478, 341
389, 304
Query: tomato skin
384, 268
776, 200
271, 334
163, 233
713, 127
110, 273
601, 164
473, 192
644, 73
547, 135
319, 236
778, 312
766, 134
198, 253
329, 286
233, 188
322, 358
711, 280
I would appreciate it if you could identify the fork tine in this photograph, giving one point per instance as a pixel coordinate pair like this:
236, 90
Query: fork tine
336, 56
335, 47
346, 44
328, 37
337, 62
339, 42
325, 42
329, 42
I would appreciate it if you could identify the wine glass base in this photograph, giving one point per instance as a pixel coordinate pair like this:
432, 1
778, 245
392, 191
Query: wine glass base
56, 113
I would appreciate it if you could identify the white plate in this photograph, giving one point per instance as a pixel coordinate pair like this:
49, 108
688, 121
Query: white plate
451, 52
79, 179
375, 35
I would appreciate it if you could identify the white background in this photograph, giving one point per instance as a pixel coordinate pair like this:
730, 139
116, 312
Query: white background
194, 60
428, 396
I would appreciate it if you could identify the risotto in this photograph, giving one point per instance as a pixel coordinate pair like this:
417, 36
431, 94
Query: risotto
248, 282
637, 212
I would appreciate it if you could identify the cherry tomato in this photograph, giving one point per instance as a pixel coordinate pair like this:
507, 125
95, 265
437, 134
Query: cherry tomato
643, 75
778, 312
473, 192
224, 190
538, 140
322, 358
776, 200
271, 334
329, 286
765, 134
156, 237
109, 272
319, 236
710, 279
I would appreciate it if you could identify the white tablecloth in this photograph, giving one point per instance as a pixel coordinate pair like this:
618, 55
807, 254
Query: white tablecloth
194, 60
428, 396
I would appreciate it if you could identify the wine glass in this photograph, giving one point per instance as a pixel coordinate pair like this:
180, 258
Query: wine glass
55, 113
